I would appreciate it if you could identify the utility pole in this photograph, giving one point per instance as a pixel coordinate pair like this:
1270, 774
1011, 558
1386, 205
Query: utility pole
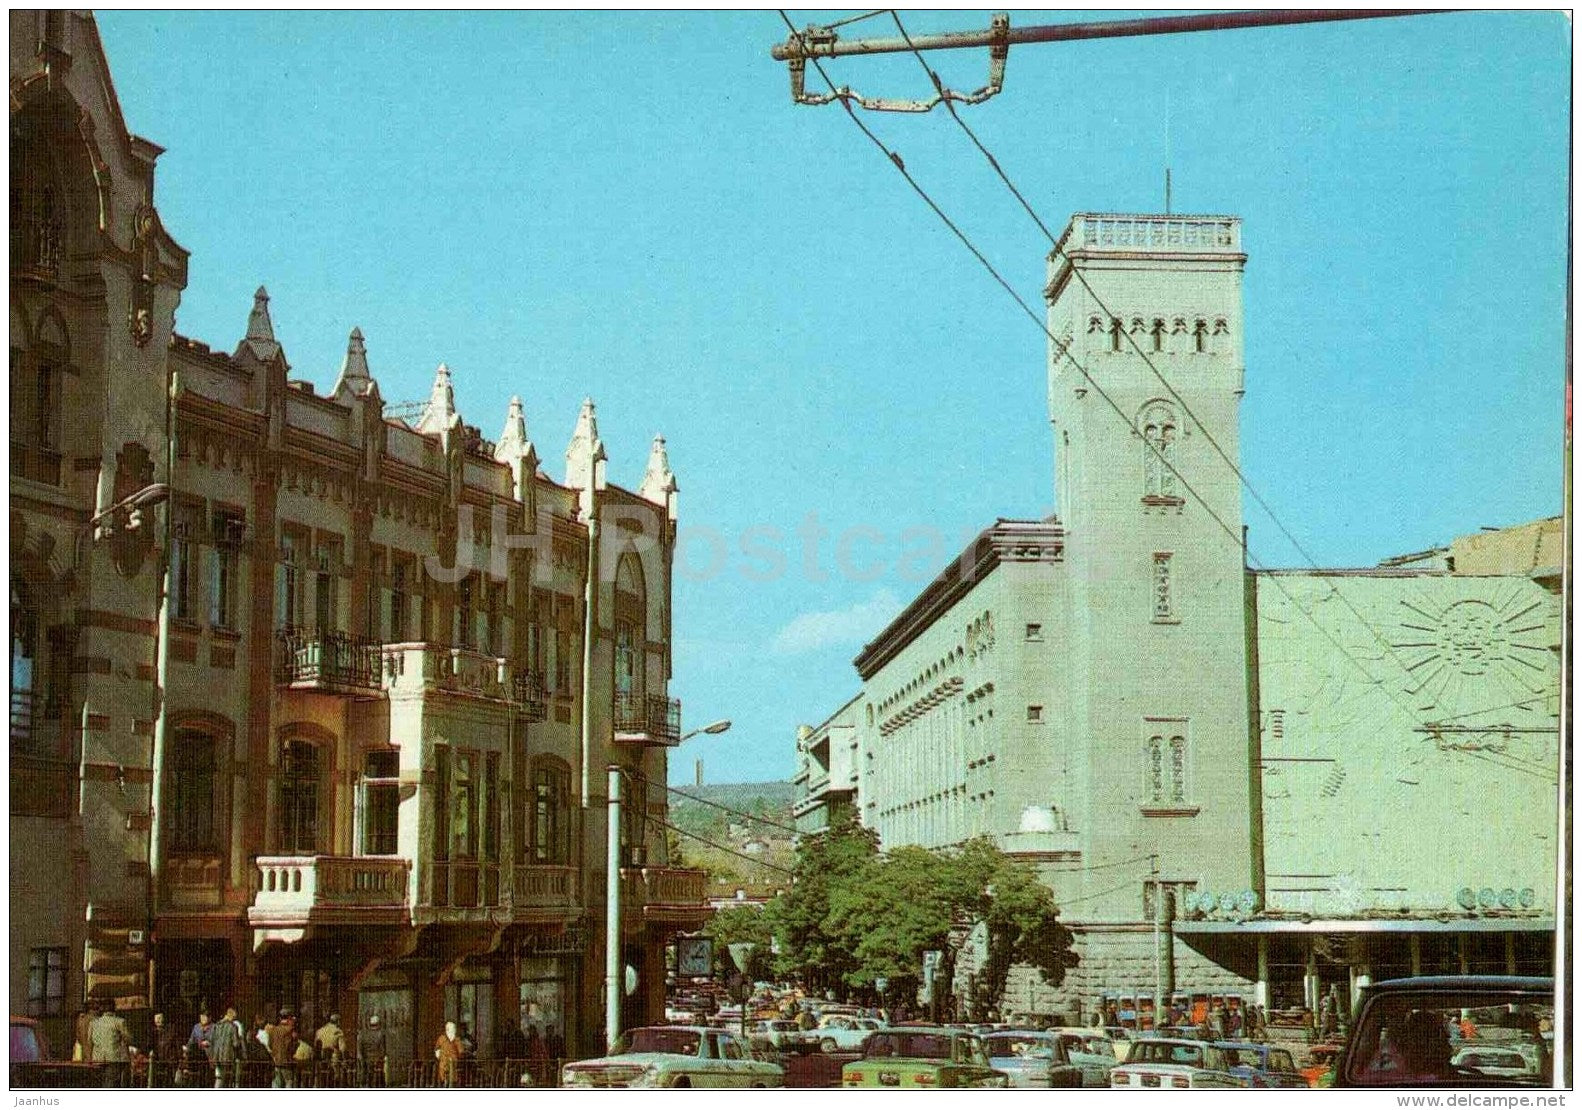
612, 914
817, 42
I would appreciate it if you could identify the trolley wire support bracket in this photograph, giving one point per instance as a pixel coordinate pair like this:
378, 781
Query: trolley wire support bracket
818, 41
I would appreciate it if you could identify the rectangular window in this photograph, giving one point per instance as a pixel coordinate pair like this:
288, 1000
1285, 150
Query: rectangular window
563, 661
1178, 889
493, 614
400, 582
535, 639
463, 815
327, 573
441, 803
462, 627
288, 583
381, 802
550, 834
228, 529
46, 982
626, 653
183, 554
1164, 601
1035, 633
491, 810
1035, 714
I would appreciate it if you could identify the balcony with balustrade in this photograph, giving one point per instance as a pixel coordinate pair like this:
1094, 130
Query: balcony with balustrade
530, 694
646, 720
545, 893
294, 892
328, 662
415, 669
672, 896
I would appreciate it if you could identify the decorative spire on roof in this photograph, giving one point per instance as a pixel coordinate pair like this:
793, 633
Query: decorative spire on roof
439, 415
660, 481
585, 455
260, 329
355, 377
516, 450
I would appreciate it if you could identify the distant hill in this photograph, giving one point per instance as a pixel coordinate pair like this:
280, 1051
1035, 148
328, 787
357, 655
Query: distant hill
766, 849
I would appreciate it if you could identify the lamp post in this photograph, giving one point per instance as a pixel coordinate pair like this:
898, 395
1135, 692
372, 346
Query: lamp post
712, 730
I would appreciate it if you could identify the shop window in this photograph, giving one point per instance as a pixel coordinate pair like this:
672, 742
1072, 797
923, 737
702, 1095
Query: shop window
191, 805
381, 802
46, 982
299, 798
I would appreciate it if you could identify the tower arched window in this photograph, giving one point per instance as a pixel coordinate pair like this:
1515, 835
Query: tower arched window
631, 628
1117, 329
1158, 332
1200, 336
1159, 430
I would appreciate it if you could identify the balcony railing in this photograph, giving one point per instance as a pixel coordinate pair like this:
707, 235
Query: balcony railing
333, 661
527, 690
464, 884
193, 880
414, 668
672, 894
305, 890
540, 886
647, 719
41, 787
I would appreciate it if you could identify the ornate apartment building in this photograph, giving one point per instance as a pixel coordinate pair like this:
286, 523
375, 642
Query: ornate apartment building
1115, 696
353, 759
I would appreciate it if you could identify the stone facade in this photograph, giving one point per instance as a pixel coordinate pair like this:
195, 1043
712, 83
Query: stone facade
355, 760
1114, 696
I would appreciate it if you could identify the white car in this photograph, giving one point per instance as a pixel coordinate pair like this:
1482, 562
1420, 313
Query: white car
780, 1032
1168, 1063
1092, 1051
1491, 1060
674, 1056
843, 1033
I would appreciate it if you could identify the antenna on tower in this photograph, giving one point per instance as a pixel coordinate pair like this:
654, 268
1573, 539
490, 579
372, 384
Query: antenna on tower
1167, 152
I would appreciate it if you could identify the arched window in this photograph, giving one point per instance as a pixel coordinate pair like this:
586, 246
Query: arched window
1200, 336
1158, 332
631, 628
1158, 427
299, 798
191, 807
1116, 331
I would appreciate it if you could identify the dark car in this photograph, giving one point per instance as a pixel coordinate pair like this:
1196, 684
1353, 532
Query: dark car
1415, 1033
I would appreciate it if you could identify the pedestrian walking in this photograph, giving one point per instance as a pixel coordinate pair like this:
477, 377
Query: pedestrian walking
329, 1041
281, 1038
371, 1051
447, 1052
226, 1048
257, 1058
83, 1050
112, 1046
195, 1059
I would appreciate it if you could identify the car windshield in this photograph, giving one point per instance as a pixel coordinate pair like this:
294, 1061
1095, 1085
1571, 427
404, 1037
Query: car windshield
1244, 1057
1028, 1048
676, 1042
1164, 1052
912, 1046
1420, 1038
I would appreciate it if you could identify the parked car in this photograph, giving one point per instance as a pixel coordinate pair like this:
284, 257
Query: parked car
1090, 1050
1262, 1065
1120, 1039
843, 1032
1031, 1059
1165, 1063
1493, 1060
1401, 1034
34, 1065
675, 1056
922, 1057
780, 1032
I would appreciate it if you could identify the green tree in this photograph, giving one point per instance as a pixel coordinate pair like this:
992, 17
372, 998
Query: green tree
743, 925
826, 861
888, 915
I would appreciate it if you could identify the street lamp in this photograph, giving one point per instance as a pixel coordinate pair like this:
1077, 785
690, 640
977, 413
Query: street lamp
713, 730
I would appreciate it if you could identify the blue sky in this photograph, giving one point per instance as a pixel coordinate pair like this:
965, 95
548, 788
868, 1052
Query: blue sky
628, 205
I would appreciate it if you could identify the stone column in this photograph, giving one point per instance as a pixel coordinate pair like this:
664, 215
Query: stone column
1261, 990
